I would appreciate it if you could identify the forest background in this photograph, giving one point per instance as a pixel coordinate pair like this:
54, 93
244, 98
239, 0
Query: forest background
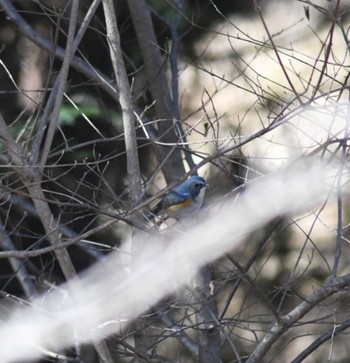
105, 106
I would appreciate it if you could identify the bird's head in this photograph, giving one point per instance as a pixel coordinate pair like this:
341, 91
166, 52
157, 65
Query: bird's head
195, 184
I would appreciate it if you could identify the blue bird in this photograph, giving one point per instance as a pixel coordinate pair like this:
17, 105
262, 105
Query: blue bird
183, 200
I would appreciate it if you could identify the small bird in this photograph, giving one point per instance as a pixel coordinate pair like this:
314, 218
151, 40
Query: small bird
184, 200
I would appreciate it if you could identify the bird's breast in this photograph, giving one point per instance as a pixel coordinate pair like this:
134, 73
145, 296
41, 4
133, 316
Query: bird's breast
176, 207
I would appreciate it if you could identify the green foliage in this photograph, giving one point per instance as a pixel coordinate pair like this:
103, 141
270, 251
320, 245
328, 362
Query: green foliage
69, 114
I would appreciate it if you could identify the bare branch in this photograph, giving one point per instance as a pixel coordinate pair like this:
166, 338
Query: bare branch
78, 63
334, 285
125, 100
158, 86
319, 341
296, 94
37, 142
18, 267
61, 84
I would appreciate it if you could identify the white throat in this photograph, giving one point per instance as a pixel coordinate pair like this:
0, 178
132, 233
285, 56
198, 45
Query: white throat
199, 198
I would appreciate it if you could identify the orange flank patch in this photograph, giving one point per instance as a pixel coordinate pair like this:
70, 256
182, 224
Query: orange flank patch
183, 204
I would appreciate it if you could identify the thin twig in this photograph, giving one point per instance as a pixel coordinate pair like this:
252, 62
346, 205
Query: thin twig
18, 267
61, 84
41, 251
178, 332
158, 86
77, 63
328, 51
258, 10
37, 142
333, 286
320, 340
